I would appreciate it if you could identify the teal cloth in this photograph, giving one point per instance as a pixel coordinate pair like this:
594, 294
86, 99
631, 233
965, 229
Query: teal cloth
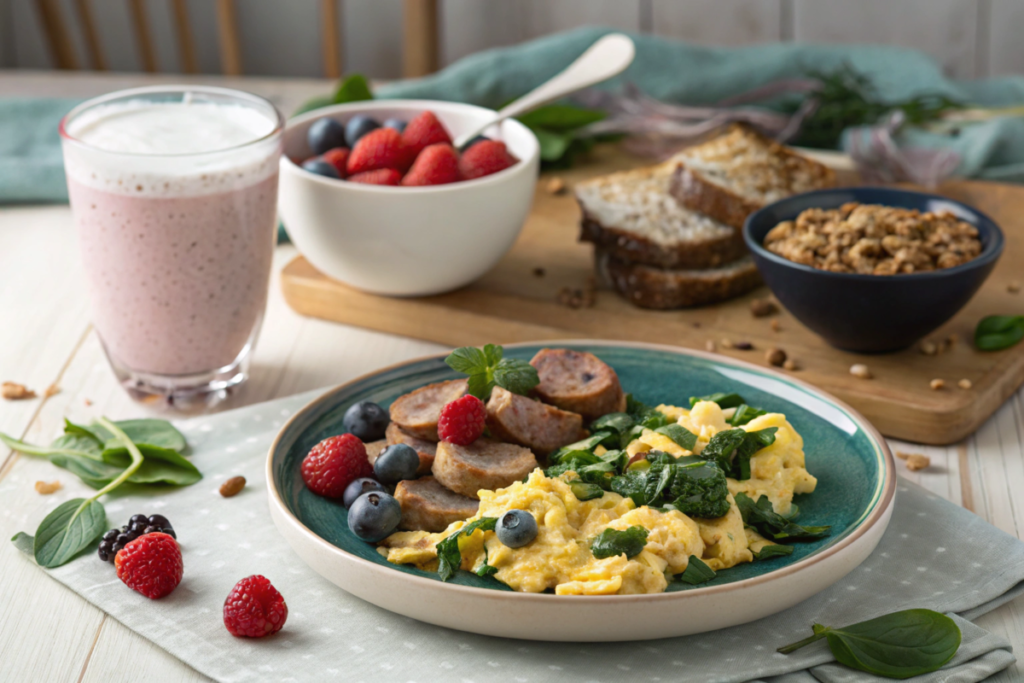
669, 70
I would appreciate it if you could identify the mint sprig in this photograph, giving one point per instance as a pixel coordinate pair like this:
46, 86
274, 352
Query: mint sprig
487, 368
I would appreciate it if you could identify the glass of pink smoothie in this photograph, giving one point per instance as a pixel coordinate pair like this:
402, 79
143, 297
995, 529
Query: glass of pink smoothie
174, 195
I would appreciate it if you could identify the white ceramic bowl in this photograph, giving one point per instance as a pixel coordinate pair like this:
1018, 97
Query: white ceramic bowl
407, 241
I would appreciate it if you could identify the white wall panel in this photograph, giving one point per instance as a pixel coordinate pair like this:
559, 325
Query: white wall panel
718, 22
1006, 33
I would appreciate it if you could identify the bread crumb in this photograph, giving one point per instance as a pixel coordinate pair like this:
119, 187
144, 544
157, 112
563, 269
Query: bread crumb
929, 348
13, 391
937, 384
791, 365
556, 185
761, 308
743, 346
1013, 287
917, 461
964, 384
232, 486
710, 345
539, 272
775, 325
46, 488
860, 370
776, 357
51, 390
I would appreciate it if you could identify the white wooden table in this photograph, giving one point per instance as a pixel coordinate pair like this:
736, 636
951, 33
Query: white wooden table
47, 633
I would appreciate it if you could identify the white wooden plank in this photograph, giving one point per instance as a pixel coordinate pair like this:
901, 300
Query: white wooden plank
718, 22
942, 477
1006, 49
469, 26
123, 655
945, 29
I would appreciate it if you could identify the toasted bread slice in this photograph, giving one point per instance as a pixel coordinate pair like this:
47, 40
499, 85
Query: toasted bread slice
579, 382
428, 506
649, 287
483, 464
736, 173
632, 215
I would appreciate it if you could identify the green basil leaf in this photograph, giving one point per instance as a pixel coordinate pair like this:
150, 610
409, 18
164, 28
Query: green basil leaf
354, 88
775, 550
468, 360
997, 332
68, 530
620, 423
723, 400
696, 572
585, 491
448, 554
612, 542
24, 542
145, 431
516, 375
762, 517
561, 117
679, 434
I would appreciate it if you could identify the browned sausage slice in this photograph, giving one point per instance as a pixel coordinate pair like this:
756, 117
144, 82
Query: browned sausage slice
425, 449
418, 411
484, 464
428, 506
374, 448
579, 382
538, 426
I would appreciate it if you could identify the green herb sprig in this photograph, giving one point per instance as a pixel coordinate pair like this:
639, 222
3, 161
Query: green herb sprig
898, 645
998, 332
488, 368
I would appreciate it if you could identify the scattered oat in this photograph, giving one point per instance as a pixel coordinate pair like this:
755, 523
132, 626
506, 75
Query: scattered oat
951, 341
710, 345
860, 370
917, 461
761, 308
791, 365
51, 390
902, 455
964, 384
13, 391
556, 185
743, 346
775, 325
929, 348
937, 384
1013, 287
726, 343
776, 357
232, 486
46, 488
539, 272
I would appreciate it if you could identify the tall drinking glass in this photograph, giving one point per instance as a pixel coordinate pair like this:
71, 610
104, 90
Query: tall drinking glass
174, 195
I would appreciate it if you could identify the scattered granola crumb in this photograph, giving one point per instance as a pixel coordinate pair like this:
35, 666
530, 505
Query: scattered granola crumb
917, 461
902, 455
726, 343
951, 341
761, 308
964, 384
46, 488
232, 486
929, 348
791, 365
576, 297
776, 357
937, 384
556, 185
87, 402
710, 345
775, 325
539, 272
13, 391
1013, 287
860, 370
743, 346
696, 323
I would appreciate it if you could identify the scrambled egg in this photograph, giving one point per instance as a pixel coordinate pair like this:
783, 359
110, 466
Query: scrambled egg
560, 557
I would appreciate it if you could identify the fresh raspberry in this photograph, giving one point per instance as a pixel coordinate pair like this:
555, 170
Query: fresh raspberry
254, 608
338, 158
462, 420
151, 565
334, 463
422, 131
484, 158
382, 176
380, 148
436, 165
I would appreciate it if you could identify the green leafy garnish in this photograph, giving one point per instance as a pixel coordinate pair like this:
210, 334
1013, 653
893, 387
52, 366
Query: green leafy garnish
488, 368
773, 550
620, 423
448, 554
998, 332
485, 569
733, 448
645, 416
612, 542
696, 572
898, 645
762, 517
695, 487
585, 491
723, 400
680, 434
745, 414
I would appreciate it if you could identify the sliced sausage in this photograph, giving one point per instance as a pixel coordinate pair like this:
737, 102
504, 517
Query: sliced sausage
484, 464
425, 449
538, 426
428, 506
374, 448
418, 411
579, 382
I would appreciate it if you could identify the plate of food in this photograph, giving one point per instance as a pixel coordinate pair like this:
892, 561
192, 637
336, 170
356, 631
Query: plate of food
583, 491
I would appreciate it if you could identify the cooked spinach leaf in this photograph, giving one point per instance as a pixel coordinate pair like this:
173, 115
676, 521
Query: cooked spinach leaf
733, 448
696, 572
680, 434
774, 550
619, 423
585, 490
611, 542
644, 415
762, 517
449, 556
745, 414
723, 400
695, 487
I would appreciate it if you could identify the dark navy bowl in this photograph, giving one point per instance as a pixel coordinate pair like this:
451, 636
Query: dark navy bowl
871, 313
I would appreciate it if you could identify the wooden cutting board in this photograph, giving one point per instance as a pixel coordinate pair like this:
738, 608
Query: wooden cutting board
518, 301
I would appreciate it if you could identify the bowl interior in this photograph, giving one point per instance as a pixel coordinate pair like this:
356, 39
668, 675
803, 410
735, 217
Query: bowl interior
849, 463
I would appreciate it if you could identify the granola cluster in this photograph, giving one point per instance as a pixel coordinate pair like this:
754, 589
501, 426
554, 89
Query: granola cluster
875, 240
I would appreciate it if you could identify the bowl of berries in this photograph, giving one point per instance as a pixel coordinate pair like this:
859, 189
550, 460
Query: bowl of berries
374, 194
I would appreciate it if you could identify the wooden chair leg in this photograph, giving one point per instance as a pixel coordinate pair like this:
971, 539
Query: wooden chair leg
331, 40
56, 34
137, 9
419, 56
183, 32
92, 40
230, 47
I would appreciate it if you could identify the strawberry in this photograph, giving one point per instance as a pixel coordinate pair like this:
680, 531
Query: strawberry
380, 148
338, 158
424, 130
484, 158
436, 165
382, 176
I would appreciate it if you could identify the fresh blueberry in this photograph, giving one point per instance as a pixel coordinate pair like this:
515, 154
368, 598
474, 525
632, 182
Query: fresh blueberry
325, 134
366, 420
478, 138
320, 167
516, 528
359, 487
357, 127
374, 516
396, 462
397, 124
159, 520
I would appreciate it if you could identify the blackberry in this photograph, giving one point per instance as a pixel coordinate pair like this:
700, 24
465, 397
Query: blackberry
170, 532
111, 535
123, 540
106, 550
137, 519
160, 521
151, 529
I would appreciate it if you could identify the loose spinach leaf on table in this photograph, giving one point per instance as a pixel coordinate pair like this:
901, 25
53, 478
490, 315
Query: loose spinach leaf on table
24, 542
762, 517
733, 448
612, 542
696, 572
773, 550
997, 332
898, 645
448, 554
68, 530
